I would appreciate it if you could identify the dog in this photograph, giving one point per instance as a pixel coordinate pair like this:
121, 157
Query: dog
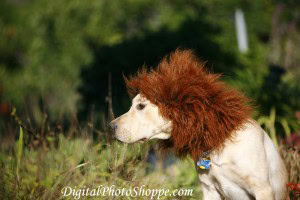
193, 113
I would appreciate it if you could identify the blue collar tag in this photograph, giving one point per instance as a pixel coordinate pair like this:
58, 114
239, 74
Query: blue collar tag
204, 163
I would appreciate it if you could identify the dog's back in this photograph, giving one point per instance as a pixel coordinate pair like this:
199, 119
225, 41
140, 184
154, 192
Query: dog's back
277, 170
248, 166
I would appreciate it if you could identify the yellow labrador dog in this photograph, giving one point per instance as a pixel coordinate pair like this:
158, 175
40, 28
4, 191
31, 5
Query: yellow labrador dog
196, 114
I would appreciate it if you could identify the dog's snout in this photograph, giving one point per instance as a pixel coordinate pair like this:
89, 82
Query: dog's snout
112, 127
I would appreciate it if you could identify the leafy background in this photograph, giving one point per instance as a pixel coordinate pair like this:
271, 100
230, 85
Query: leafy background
56, 58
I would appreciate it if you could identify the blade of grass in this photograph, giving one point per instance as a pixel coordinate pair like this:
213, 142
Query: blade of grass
271, 125
19, 152
286, 127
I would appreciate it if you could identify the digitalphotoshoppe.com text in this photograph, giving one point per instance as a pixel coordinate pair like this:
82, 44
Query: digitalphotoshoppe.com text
113, 191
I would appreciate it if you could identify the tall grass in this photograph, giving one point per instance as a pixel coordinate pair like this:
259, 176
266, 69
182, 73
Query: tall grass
19, 152
269, 123
290, 154
59, 158
42, 172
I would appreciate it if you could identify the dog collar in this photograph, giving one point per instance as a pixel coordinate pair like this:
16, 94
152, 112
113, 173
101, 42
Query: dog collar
204, 161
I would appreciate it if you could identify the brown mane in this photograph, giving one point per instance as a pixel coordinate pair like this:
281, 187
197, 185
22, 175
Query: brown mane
204, 111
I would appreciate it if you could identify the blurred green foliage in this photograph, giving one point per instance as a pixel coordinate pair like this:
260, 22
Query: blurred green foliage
55, 56
46, 53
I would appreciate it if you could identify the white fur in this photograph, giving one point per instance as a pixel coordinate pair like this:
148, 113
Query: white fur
248, 167
145, 124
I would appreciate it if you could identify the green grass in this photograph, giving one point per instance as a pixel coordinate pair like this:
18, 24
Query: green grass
42, 172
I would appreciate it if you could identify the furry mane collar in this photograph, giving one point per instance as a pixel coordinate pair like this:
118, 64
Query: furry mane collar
204, 110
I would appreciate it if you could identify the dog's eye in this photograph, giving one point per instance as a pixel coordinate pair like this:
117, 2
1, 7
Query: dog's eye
140, 106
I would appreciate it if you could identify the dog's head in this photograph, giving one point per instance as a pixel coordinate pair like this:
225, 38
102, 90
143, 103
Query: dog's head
183, 104
142, 122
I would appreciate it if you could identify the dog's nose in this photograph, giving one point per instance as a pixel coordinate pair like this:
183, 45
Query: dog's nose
112, 127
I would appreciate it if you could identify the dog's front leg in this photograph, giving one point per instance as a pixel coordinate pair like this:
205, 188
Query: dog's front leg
262, 191
208, 188
210, 193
